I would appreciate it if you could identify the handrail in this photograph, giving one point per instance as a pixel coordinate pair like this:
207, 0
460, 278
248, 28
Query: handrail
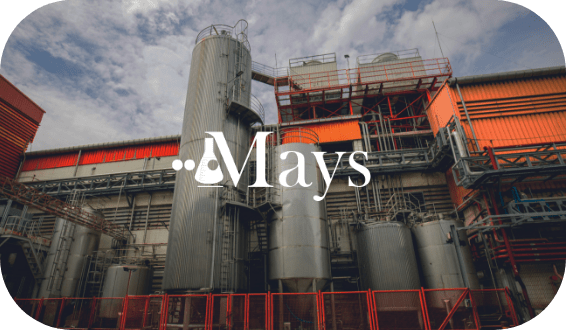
269, 71
257, 107
239, 32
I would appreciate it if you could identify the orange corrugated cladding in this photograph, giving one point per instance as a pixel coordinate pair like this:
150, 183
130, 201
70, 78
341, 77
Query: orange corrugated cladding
336, 131
161, 149
507, 113
19, 121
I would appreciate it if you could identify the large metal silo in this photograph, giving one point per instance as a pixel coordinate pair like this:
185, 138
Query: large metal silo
438, 257
386, 257
200, 234
299, 253
70, 246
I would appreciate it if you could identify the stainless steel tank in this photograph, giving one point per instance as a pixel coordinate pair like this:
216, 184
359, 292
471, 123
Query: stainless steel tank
133, 279
386, 257
298, 236
70, 246
220, 73
119, 279
438, 257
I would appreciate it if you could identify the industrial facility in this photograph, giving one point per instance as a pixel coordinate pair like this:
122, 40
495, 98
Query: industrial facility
462, 225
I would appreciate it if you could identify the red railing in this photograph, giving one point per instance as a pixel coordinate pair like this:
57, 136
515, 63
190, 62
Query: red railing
434, 309
299, 90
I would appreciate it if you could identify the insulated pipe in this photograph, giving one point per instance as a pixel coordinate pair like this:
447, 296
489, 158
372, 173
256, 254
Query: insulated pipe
213, 242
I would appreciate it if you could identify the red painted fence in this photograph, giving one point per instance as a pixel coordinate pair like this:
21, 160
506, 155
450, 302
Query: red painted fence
438, 309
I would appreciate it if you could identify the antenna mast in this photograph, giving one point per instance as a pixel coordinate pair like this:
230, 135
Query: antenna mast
437, 38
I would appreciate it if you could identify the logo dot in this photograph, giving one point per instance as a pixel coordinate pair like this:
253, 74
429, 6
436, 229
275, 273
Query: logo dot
177, 164
190, 164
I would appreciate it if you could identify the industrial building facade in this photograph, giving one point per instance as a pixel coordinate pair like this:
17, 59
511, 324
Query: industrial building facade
462, 225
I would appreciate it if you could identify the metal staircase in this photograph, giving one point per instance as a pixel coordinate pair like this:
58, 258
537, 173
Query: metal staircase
26, 232
35, 258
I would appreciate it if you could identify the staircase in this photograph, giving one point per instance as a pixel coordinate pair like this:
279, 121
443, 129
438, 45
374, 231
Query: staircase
35, 258
26, 232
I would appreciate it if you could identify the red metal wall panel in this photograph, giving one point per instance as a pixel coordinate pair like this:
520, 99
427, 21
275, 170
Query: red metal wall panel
504, 113
100, 156
19, 119
336, 131
13, 96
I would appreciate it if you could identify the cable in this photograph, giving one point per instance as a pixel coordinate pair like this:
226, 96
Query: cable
304, 321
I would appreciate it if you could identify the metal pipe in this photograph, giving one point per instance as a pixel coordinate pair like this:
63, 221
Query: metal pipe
213, 242
132, 216
468, 117
146, 221
391, 135
456, 241
512, 261
376, 200
333, 304
77, 164
382, 133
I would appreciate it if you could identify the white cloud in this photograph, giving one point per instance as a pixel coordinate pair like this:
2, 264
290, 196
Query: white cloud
136, 54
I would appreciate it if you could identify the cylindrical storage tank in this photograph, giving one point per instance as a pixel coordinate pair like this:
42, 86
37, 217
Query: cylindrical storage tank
116, 281
220, 73
298, 235
438, 258
70, 261
49, 262
119, 279
386, 257
85, 242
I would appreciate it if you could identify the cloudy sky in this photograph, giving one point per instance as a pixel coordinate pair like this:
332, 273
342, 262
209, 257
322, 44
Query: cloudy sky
117, 70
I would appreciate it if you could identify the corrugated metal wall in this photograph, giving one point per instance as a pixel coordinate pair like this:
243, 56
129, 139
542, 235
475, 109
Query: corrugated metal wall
336, 131
19, 121
441, 108
503, 113
161, 149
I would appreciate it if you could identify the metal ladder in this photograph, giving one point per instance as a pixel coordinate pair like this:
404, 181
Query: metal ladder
61, 256
227, 250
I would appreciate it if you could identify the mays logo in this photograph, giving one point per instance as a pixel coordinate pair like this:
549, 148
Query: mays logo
205, 175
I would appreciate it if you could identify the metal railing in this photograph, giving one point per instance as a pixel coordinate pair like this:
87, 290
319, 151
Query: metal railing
269, 71
541, 162
26, 228
257, 107
238, 32
401, 54
374, 74
425, 309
